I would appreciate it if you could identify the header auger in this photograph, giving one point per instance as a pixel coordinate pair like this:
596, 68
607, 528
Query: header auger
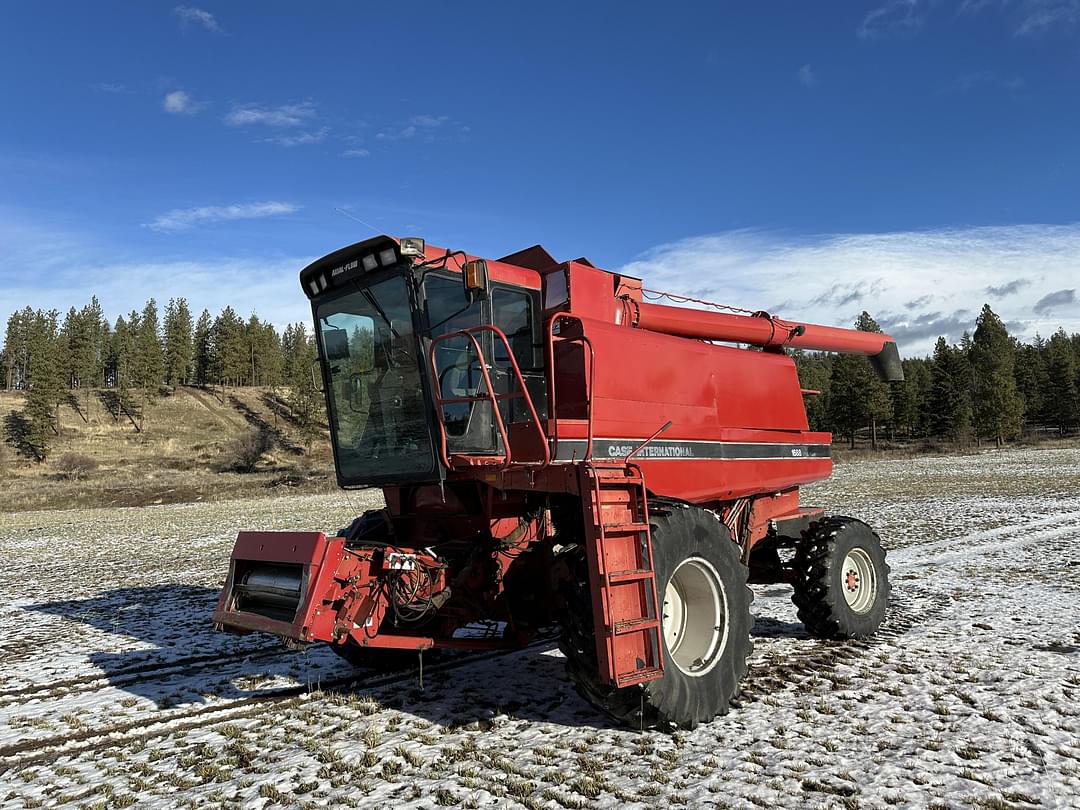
554, 447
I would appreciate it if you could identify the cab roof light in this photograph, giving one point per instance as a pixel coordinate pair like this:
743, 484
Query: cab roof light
370, 262
387, 257
313, 285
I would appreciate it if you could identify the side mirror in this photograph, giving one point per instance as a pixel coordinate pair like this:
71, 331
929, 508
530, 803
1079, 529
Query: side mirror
475, 278
336, 343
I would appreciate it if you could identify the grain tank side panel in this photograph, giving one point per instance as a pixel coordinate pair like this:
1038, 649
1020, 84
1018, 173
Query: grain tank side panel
738, 420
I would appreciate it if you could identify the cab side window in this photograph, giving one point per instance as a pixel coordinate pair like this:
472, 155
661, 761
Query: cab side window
512, 312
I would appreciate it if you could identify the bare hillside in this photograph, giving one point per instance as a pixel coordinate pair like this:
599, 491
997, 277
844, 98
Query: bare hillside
185, 446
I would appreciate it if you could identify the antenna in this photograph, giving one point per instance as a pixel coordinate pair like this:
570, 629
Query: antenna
345, 213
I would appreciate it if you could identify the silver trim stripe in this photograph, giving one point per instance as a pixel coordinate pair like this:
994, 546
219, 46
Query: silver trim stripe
674, 450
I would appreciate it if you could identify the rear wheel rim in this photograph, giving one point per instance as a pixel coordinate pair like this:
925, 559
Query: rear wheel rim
695, 618
858, 581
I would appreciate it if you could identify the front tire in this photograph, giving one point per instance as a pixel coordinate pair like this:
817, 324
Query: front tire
701, 583
841, 579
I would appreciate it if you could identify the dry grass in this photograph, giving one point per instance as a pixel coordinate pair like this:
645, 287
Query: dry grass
187, 450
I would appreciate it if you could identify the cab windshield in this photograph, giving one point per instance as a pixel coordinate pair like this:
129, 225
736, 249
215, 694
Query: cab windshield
376, 400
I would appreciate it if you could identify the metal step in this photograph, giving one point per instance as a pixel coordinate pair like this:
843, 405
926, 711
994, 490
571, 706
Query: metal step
639, 676
625, 626
636, 575
626, 527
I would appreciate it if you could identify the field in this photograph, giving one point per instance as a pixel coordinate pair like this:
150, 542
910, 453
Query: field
115, 691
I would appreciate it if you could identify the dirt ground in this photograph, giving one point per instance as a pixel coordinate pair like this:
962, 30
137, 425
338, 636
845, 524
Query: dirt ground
116, 692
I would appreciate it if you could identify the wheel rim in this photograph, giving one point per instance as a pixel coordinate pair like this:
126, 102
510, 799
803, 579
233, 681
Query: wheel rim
858, 581
695, 617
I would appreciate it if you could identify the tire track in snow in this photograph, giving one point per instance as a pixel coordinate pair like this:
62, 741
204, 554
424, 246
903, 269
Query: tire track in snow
130, 676
49, 749
958, 548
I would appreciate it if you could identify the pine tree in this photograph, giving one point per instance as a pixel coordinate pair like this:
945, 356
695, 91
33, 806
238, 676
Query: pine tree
845, 406
998, 408
204, 360
814, 368
125, 349
1063, 407
179, 342
1032, 381
17, 348
878, 400
949, 412
149, 359
44, 381
907, 397
92, 363
230, 355
305, 400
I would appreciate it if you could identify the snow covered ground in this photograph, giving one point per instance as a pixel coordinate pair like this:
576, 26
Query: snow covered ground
115, 691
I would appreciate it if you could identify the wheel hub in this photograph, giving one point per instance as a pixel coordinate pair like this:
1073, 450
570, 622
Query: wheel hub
695, 616
859, 580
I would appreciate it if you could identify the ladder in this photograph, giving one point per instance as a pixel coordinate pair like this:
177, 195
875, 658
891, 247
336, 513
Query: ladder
618, 546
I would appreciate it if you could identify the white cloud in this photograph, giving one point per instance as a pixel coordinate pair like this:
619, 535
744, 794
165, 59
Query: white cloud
807, 76
355, 153
894, 17
917, 284
180, 219
285, 115
189, 15
179, 102
299, 139
263, 281
1040, 16
423, 125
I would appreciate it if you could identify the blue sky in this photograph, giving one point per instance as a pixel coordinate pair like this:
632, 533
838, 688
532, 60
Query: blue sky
819, 157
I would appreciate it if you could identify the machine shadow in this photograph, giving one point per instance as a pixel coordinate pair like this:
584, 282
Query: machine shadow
181, 659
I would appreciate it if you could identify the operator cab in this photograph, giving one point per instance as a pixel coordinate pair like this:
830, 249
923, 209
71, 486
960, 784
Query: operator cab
378, 312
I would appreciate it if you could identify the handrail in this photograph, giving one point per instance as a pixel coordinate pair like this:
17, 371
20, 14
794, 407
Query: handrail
491, 396
552, 402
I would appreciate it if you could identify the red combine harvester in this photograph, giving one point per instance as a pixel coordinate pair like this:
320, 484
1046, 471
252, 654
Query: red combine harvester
553, 448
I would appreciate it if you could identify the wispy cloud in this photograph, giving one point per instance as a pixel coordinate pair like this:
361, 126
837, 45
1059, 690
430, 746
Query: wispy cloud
942, 275
985, 78
189, 15
807, 76
892, 18
299, 139
181, 219
179, 102
110, 87
355, 153
1030, 18
1055, 300
419, 125
1040, 16
285, 115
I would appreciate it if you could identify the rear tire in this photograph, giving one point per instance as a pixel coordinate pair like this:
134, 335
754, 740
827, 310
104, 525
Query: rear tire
701, 584
841, 579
